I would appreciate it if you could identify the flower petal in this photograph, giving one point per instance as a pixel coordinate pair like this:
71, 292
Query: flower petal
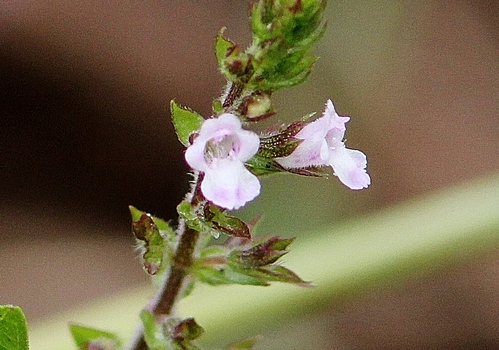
250, 142
337, 122
230, 185
349, 166
219, 127
194, 155
308, 153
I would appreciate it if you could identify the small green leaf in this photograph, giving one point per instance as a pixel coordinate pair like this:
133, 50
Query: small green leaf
217, 107
13, 329
222, 46
245, 262
277, 243
229, 225
184, 209
185, 121
153, 335
186, 212
85, 337
155, 238
213, 251
135, 213
278, 273
215, 277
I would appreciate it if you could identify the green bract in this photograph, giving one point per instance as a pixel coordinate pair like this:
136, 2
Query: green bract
223, 46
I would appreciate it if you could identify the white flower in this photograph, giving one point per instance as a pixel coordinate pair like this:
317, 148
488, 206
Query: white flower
323, 145
220, 151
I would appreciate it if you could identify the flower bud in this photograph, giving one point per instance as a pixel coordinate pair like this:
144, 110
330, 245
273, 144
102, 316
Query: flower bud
262, 254
256, 106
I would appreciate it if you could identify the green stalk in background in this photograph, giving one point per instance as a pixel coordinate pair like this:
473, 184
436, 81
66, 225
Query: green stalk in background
419, 237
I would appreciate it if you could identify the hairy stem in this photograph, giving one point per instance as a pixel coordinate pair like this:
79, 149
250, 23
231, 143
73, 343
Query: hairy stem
233, 94
173, 285
169, 292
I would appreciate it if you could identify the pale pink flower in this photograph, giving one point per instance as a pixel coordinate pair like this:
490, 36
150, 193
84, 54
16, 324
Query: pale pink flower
323, 145
219, 151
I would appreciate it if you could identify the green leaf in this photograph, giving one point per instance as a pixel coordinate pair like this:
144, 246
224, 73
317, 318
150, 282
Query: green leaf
217, 107
153, 335
261, 254
13, 328
186, 212
249, 263
213, 251
220, 276
212, 220
155, 238
222, 47
278, 273
229, 225
135, 213
185, 121
85, 337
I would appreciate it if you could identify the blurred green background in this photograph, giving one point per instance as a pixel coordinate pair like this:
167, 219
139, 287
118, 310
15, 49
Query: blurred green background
84, 91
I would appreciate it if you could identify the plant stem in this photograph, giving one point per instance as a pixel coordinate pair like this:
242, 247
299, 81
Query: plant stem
183, 261
233, 94
169, 292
